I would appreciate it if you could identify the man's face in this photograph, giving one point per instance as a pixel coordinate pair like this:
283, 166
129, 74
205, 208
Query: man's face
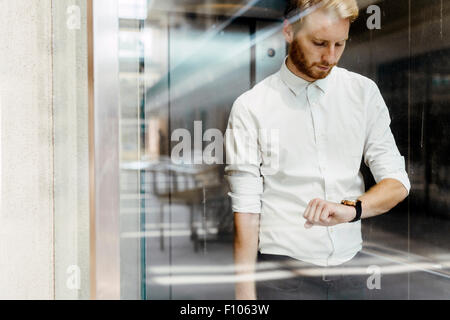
317, 47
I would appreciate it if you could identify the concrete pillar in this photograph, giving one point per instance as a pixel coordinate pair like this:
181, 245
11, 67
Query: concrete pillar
26, 171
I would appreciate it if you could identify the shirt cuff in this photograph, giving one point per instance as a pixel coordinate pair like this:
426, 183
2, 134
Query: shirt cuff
245, 204
245, 193
399, 176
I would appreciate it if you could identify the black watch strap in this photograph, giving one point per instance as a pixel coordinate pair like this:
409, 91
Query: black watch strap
358, 211
357, 206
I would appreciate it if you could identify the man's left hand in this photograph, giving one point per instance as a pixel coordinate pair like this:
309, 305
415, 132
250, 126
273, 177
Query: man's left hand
325, 213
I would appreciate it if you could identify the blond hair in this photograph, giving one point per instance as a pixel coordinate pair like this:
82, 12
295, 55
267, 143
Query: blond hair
345, 9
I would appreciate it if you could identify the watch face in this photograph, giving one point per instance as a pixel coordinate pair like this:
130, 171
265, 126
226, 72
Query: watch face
349, 202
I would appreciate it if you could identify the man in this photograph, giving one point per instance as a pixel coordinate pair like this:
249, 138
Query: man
287, 190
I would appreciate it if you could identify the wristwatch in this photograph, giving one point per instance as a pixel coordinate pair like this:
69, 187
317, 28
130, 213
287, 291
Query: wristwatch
354, 203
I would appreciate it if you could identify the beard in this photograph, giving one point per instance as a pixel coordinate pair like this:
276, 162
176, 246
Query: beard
299, 60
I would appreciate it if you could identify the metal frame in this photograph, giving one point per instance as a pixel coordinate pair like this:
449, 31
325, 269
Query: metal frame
103, 28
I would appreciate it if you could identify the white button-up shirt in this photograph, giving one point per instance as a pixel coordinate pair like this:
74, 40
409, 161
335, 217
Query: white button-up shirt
289, 141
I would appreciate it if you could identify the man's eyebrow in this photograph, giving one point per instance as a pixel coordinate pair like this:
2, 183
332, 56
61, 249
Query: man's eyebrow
317, 39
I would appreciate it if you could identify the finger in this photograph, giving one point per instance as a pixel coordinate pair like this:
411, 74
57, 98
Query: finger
307, 213
318, 212
312, 210
308, 224
325, 216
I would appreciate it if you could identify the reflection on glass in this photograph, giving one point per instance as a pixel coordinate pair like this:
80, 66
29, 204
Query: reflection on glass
182, 65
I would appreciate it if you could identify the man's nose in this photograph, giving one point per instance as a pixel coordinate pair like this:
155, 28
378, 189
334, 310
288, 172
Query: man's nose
330, 56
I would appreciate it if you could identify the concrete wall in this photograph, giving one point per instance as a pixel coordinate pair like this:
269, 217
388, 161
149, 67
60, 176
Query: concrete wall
44, 155
26, 217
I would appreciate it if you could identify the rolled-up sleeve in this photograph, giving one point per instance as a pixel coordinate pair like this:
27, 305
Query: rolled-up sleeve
381, 154
243, 161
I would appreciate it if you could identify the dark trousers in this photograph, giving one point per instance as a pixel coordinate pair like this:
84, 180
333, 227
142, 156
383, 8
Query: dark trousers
311, 282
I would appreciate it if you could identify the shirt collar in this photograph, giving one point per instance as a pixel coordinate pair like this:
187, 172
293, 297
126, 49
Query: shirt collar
297, 84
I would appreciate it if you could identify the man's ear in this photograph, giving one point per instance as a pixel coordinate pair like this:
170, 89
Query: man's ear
288, 31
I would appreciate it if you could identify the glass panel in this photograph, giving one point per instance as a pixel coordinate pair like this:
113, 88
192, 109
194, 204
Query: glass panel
409, 62
200, 205
176, 219
184, 63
